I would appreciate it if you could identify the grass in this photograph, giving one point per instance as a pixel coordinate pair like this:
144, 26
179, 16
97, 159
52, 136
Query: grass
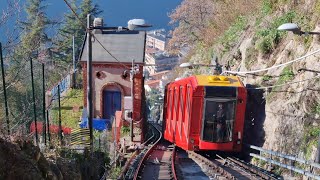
310, 139
125, 131
270, 36
232, 34
285, 76
266, 77
69, 118
317, 108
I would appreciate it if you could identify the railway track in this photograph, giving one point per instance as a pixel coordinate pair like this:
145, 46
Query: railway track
158, 163
155, 161
230, 168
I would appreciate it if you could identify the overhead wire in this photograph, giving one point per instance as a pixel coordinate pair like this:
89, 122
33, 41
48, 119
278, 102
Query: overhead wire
88, 31
272, 67
292, 82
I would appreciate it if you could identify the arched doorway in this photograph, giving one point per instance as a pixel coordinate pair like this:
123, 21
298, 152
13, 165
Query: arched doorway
111, 101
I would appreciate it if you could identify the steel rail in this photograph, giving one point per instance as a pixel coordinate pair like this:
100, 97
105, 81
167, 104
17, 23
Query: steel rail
252, 169
215, 167
147, 153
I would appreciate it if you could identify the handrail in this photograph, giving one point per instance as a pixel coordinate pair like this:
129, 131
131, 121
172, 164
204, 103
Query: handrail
290, 167
286, 156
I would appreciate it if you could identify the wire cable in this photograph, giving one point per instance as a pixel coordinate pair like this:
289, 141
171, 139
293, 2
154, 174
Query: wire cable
272, 67
88, 31
293, 82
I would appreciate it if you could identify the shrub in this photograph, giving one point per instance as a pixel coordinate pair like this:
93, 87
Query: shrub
270, 36
232, 34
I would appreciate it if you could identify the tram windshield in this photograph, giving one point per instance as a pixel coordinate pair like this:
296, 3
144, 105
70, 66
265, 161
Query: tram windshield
219, 116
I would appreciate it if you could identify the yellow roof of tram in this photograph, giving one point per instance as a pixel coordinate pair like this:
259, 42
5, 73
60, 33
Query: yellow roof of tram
218, 80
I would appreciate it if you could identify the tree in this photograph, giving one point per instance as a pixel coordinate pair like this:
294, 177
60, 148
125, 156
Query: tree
192, 17
34, 40
34, 29
73, 27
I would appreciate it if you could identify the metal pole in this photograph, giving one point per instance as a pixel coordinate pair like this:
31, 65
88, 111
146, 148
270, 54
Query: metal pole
60, 128
4, 91
74, 62
115, 141
34, 103
48, 126
89, 80
131, 79
44, 106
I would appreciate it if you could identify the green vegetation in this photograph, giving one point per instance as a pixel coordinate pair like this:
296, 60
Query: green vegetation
114, 173
270, 36
285, 76
317, 108
266, 77
310, 139
71, 109
125, 131
266, 7
232, 34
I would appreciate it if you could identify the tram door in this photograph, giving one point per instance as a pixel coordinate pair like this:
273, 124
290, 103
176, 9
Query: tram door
112, 103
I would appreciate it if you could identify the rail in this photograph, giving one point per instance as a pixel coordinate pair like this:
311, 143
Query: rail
147, 153
212, 165
173, 161
132, 172
284, 156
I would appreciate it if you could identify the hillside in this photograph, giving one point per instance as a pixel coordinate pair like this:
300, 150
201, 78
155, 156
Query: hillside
284, 103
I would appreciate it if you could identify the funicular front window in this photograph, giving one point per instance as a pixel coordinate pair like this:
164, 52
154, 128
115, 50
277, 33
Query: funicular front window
218, 121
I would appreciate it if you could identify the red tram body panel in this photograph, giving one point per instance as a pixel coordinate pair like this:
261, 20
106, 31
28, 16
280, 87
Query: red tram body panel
205, 113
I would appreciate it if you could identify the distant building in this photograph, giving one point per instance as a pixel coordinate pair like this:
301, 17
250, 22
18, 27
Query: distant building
160, 61
157, 39
157, 81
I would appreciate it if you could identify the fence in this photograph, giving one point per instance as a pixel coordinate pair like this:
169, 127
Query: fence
291, 159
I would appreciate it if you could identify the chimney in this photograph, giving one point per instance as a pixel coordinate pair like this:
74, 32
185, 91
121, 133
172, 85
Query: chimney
98, 22
97, 25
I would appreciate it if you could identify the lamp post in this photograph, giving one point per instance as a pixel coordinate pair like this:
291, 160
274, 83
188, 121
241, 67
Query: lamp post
296, 30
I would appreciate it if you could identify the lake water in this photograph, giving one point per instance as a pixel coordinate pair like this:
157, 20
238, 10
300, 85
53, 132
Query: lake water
115, 12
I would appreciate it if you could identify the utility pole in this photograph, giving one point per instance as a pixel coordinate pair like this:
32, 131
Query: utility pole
48, 127
60, 128
132, 97
4, 91
89, 80
74, 62
34, 103
44, 106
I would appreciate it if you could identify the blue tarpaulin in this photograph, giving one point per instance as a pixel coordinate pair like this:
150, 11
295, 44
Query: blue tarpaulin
98, 124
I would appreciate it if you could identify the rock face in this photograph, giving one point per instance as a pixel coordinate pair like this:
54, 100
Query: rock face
20, 161
23, 160
282, 118
283, 113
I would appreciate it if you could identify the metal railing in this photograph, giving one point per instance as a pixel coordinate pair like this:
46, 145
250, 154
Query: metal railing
286, 157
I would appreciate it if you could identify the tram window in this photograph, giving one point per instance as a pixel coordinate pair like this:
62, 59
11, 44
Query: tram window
218, 121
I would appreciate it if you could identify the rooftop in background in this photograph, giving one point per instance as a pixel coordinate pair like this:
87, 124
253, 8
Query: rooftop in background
160, 34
